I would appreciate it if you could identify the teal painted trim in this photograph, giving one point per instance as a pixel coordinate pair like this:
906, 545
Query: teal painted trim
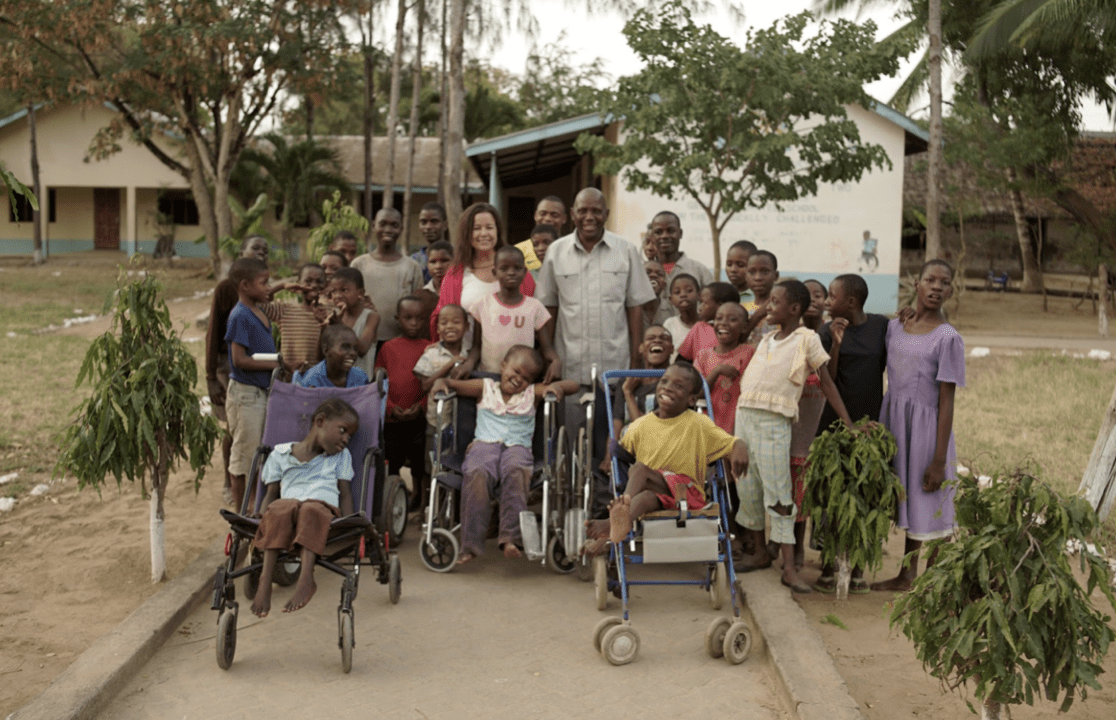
892, 115
883, 289
533, 135
183, 248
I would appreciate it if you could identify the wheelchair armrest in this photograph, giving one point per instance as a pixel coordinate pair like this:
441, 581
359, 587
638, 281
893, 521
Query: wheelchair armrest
444, 396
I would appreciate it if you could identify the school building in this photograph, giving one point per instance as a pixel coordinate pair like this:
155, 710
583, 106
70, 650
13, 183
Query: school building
130, 199
817, 237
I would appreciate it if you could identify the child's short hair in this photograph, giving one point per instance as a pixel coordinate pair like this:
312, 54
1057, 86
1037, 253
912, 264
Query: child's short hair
935, 261
246, 270
405, 299
668, 213
689, 369
248, 241
454, 306
443, 245
509, 250
337, 254
769, 255
349, 275
334, 408
527, 351
723, 292
653, 326
309, 266
797, 294
746, 245
436, 206
333, 333
344, 235
681, 276
855, 286
545, 229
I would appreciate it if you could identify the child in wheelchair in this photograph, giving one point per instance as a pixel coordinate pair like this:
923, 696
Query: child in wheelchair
308, 485
499, 462
671, 448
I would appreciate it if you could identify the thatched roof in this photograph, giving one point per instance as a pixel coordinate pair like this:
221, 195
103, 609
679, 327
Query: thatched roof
1091, 170
350, 148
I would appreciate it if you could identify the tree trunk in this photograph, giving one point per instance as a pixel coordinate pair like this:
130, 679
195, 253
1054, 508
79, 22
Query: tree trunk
368, 120
1102, 296
993, 711
412, 129
715, 233
844, 576
1098, 483
443, 110
37, 188
393, 107
455, 132
933, 170
206, 217
158, 486
1032, 281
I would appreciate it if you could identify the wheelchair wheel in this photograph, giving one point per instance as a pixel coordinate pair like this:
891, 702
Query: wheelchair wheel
226, 637
620, 644
395, 579
440, 554
557, 559
737, 643
718, 586
346, 640
715, 636
393, 516
602, 627
600, 581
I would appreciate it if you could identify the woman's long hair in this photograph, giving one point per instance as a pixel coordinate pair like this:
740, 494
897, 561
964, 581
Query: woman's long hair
463, 243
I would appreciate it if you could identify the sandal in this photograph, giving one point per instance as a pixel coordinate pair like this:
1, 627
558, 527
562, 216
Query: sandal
858, 586
826, 584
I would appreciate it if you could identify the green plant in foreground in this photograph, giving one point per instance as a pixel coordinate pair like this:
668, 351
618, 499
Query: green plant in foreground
143, 415
851, 494
1001, 607
835, 621
338, 215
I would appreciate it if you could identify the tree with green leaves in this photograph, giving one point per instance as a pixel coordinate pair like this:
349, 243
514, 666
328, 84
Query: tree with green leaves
740, 128
852, 492
337, 215
142, 416
1001, 607
191, 80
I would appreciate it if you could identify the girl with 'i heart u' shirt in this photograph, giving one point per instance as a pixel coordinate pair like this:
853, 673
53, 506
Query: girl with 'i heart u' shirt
507, 317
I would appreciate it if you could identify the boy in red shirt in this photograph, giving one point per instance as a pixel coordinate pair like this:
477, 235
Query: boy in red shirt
405, 424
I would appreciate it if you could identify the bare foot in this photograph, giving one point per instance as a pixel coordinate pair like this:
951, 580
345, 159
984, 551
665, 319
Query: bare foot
594, 546
597, 528
895, 584
303, 593
261, 605
619, 518
464, 558
511, 551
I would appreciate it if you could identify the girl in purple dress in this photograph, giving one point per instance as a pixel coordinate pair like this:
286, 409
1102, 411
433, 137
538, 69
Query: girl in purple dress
925, 364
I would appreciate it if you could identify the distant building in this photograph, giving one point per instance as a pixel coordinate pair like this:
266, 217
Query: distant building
116, 204
819, 237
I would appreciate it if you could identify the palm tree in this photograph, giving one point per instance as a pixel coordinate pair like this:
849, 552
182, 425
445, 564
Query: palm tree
294, 174
1029, 22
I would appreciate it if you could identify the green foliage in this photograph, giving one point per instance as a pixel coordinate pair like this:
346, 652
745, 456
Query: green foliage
835, 621
337, 215
15, 187
1001, 607
143, 415
552, 89
849, 481
736, 129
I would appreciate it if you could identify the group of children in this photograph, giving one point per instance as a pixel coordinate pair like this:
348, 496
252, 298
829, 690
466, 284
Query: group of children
776, 376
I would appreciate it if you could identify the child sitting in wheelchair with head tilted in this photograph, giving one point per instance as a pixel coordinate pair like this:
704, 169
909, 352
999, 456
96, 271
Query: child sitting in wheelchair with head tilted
671, 448
308, 485
499, 461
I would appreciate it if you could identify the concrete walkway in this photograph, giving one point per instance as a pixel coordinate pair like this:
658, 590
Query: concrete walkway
1080, 345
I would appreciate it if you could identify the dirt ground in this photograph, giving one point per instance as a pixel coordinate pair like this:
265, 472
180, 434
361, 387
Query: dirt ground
75, 564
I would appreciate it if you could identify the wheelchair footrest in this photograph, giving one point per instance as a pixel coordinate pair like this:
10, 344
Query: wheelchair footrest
664, 541
532, 540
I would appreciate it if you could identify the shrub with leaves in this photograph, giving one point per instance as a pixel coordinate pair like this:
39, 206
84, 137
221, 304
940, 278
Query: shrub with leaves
1001, 607
143, 415
338, 215
851, 494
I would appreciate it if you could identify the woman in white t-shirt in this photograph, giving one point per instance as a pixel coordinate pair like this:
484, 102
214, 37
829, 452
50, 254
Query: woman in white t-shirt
472, 276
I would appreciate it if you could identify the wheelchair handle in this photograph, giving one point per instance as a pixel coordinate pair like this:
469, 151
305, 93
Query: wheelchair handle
442, 396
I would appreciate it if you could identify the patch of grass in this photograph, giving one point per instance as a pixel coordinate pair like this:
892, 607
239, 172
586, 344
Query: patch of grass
13, 489
835, 621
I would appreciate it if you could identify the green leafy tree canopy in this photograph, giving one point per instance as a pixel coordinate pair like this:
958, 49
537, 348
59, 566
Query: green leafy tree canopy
740, 128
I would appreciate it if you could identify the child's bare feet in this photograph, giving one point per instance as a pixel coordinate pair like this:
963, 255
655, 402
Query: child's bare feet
302, 594
261, 605
511, 551
620, 518
464, 558
594, 546
597, 528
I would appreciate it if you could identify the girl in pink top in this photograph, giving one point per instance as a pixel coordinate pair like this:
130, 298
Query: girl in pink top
702, 335
724, 363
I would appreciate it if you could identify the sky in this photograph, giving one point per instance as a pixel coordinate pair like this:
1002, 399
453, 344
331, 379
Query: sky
601, 36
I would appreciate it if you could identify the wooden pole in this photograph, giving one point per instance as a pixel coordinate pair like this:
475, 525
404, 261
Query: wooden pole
1102, 297
1098, 484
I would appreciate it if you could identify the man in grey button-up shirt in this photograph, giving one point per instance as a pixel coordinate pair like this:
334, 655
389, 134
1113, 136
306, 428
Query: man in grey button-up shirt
594, 285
